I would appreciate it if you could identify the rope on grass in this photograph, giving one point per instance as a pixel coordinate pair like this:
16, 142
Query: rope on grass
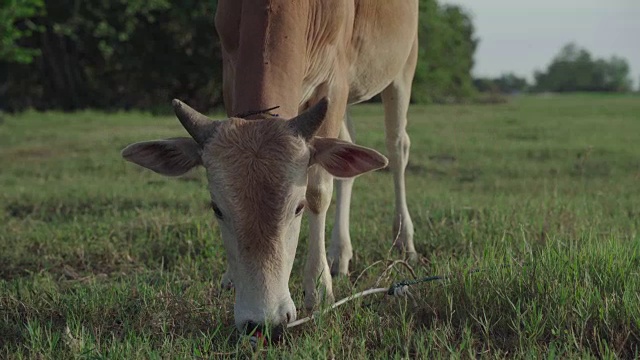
397, 289
400, 288
335, 305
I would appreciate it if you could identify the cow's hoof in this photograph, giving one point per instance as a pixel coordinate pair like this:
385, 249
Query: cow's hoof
411, 257
339, 268
315, 299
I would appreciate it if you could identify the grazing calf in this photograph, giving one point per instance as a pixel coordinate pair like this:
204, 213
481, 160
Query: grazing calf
312, 59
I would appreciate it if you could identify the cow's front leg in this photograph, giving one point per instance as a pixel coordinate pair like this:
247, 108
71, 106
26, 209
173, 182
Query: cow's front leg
317, 277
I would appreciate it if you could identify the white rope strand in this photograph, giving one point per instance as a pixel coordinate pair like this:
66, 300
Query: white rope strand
338, 303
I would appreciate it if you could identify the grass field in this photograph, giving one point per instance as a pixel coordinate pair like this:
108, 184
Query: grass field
101, 259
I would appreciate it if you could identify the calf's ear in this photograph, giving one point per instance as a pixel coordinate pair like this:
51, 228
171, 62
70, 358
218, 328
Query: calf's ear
170, 157
343, 159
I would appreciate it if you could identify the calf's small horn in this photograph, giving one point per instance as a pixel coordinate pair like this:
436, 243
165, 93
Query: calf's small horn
307, 123
199, 126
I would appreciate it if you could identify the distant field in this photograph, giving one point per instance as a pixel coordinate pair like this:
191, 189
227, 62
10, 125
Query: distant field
99, 258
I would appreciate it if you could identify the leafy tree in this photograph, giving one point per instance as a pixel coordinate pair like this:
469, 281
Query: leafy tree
506, 84
574, 69
485, 85
510, 83
616, 75
15, 24
445, 59
120, 54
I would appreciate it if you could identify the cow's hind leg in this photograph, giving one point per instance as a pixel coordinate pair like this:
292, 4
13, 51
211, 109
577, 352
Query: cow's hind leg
396, 103
340, 251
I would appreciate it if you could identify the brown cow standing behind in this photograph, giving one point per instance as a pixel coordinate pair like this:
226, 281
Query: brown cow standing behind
263, 172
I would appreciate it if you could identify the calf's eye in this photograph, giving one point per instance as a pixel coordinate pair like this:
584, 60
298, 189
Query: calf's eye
216, 210
299, 209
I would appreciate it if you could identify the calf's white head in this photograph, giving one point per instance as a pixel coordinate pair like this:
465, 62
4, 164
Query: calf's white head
257, 173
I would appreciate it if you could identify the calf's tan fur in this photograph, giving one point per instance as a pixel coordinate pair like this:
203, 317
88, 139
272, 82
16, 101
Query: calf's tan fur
262, 172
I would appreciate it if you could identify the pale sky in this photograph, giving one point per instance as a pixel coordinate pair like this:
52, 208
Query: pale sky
521, 36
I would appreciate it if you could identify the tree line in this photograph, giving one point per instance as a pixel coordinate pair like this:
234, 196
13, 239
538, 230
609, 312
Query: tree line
573, 69
138, 54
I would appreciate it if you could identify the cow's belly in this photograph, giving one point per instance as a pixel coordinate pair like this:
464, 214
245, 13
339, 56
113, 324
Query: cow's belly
365, 75
374, 53
381, 45
363, 88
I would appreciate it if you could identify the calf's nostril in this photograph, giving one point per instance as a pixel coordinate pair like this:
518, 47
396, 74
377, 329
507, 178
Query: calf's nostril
277, 333
252, 327
259, 332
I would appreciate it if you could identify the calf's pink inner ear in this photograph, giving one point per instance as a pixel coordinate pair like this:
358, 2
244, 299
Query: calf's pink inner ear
344, 159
